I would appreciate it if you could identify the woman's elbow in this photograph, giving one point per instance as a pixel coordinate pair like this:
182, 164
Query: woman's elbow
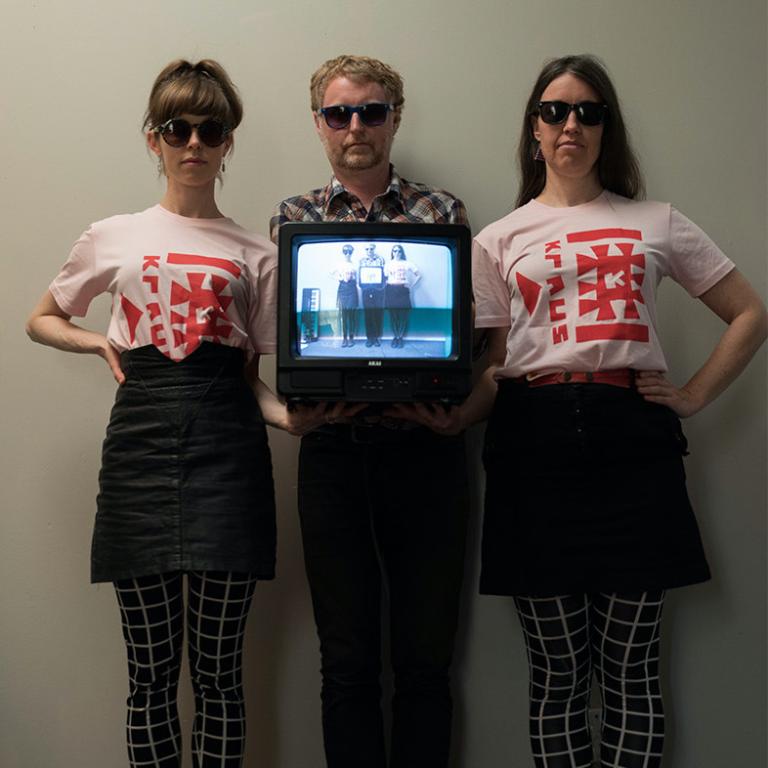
762, 323
756, 318
31, 328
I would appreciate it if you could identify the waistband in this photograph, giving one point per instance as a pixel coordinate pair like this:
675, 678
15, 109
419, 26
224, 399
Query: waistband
619, 377
376, 434
208, 360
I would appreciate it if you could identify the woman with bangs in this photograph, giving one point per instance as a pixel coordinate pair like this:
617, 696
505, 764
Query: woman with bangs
185, 488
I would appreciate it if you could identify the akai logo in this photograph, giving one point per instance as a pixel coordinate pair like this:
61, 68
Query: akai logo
374, 362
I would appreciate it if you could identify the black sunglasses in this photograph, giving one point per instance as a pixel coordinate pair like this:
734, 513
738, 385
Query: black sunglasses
340, 115
587, 112
176, 132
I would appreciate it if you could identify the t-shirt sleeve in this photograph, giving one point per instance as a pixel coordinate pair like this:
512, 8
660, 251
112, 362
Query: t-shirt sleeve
696, 262
80, 279
492, 299
262, 316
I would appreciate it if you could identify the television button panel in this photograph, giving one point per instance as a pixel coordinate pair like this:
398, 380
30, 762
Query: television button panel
378, 386
396, 387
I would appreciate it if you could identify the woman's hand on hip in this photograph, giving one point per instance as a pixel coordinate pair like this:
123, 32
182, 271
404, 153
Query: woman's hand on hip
656, 388
49, 324
112, 358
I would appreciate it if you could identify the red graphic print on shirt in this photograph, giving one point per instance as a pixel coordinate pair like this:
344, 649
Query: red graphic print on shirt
612, 272
196, 305
132, 315
608, 274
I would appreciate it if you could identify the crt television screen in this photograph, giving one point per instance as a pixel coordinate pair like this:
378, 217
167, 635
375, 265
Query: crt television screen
383, 297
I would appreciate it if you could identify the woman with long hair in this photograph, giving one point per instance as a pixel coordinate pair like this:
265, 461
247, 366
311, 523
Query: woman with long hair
587, 518
402, 275
185, 488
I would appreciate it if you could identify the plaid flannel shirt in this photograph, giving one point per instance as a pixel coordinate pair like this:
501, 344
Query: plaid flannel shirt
403, 201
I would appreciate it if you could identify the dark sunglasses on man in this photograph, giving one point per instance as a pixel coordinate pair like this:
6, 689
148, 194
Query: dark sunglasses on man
340, 115
177, 131
587, 112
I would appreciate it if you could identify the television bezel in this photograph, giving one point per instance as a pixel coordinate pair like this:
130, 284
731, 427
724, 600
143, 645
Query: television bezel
458, 365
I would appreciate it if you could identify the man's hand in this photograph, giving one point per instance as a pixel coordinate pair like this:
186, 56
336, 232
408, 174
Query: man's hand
301, 419
445, 420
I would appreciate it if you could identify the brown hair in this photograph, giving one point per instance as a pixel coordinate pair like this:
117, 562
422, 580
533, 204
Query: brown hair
618, 169
358, 69
198, 89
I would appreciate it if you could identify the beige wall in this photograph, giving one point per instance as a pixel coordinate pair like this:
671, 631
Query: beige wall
75, 75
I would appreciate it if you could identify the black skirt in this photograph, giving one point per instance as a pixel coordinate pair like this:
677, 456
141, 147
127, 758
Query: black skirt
585, 492
346, 295
186, 475
398, 296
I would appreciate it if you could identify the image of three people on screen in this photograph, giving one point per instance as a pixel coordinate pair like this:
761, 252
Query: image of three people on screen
382, 285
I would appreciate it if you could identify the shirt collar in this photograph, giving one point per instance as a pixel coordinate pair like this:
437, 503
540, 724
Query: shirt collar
394, 189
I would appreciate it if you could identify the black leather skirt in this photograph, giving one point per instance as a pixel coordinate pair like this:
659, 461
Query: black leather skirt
186, 475
585, 492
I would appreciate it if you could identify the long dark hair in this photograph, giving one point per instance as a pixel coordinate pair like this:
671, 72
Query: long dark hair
618, 169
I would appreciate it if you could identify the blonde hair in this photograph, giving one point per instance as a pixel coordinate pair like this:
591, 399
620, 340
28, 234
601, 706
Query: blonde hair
358, 69
203, 88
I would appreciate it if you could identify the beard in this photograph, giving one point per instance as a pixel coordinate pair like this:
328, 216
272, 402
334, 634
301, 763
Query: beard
360, 157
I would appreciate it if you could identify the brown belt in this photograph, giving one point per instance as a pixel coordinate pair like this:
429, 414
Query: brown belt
620, 377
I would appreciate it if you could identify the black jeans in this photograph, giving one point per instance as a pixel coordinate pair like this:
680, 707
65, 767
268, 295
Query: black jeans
377, 503
373, 311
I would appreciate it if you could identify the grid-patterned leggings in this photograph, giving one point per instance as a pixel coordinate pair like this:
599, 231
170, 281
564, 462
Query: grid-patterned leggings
617, 637
152, 609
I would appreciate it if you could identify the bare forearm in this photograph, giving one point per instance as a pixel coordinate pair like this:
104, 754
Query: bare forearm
274, 412
736, 347
301, 419
50, 326
737, 304
477, 407
60, 333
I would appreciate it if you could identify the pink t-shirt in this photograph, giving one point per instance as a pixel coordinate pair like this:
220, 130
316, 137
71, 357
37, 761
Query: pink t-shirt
577, 285
175, 282
397, 271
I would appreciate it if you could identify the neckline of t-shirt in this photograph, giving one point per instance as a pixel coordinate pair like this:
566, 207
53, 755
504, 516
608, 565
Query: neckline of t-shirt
568, 209
190, 220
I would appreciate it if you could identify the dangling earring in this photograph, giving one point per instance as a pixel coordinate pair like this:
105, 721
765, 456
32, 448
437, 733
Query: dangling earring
223, 166
160, 168
539, 155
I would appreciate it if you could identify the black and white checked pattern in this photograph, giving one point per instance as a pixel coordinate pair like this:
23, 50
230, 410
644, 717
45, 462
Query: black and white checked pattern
617, 637
153, 627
